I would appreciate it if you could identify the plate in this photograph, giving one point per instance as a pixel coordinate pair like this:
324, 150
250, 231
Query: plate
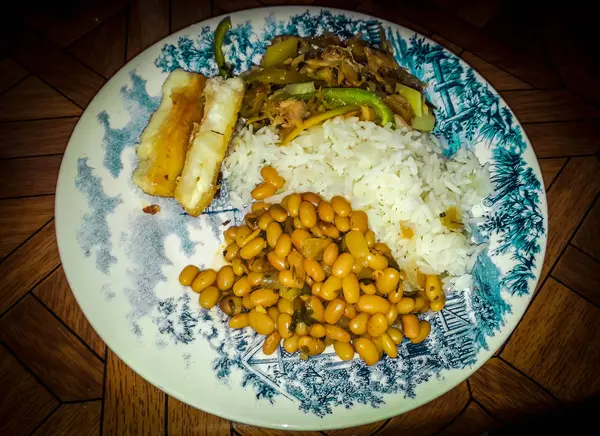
123, 264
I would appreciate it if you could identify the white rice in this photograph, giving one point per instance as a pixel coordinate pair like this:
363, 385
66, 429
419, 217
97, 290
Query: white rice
396, 176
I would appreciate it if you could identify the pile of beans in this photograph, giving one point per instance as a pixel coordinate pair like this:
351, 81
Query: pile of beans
311, 273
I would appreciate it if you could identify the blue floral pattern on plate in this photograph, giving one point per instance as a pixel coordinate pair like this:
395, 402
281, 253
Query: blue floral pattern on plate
470, 113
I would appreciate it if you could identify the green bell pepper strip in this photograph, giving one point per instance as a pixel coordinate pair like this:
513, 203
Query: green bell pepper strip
220, 33
355, 96
279, 52
276, 76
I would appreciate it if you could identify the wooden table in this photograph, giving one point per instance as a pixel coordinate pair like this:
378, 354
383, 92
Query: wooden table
57, 376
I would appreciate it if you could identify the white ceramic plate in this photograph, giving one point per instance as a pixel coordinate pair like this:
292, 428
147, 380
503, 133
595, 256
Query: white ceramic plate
123, 264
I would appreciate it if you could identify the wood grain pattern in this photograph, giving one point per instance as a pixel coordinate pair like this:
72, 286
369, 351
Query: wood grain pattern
549, 105
363, 430
132, 406
10, 73
430, 418
378, 10
500, 79
58, 68
81, 419
563, 355
34, 138
454, 48
32, 99
580, 272
103, 49
564, 139
148, 23
508, 394
473, 421
567, 209
473, 39
187, 12
249, 430
550, 169
81, 19
588, 236
16, 176
51, 351
24, 402
20, 218
184, 420
235, 5
479, 12
56, 294
29, 264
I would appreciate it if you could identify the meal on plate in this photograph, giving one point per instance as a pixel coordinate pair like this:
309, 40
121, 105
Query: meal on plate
356, 221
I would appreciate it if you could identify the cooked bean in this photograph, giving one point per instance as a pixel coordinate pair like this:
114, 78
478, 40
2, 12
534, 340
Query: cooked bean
331, 288
370, 238
410, 325
314, 269
387, 280
262, 191
231, 251
278, 263
396, 295
272, 177
317, 331
297, 223
259, 207
261, 322
424, 330
278, 213
342, 223
359, 221
242, 233
284, 324
271, 343
239, 321
388, 345
301, 329
264, 297
355, 241
298, 237
274, 231
344, 350
391, 314
246, 301
383, 249
341, 206
293, 204
311, 197
326, 212
231, 305
238, 266
291, 344
438, 304
376, 260
343, 265
287, 279
285, 306
405, 305
330, 254
328, 229
350, 288
308, 214
253, 248
334, 310
315, 308
264, 221
251, 220
230, 234
255, 278
420, 304
395, 335
296, 261
188, 274
273, 313
204, 279
209, 297
350, 311
367, 351
283, 246
377, 324
368, 289
225, 278
373, 304
337, 333
316, 289
378, 345
358, 324
244, 241
433, 287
